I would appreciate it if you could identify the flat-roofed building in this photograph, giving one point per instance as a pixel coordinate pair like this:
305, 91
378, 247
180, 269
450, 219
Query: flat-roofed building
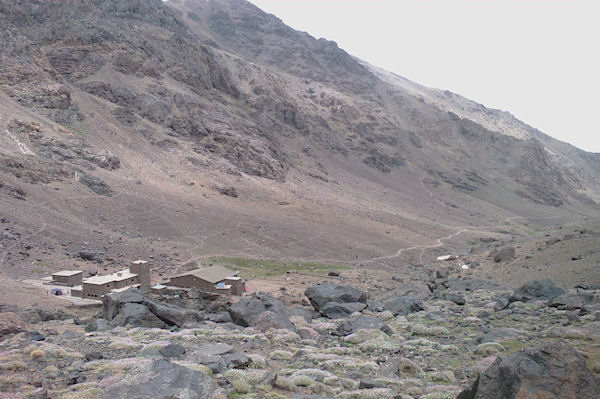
97, 286
211, 279
68, 277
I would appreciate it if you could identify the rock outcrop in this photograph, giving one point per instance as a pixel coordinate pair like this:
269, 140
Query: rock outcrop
552, 371
133, 308
335, 301
542, 290
165, 380
261, 311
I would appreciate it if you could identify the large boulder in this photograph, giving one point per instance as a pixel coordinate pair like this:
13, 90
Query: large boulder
502, 254
138, 315
574, 300
543, 290
321, 294
10, 323
335, 310
405, 300
164, 380
261, 311
552, 371
132, 307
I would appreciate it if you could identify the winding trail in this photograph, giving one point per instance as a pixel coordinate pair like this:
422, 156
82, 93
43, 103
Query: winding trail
450, 236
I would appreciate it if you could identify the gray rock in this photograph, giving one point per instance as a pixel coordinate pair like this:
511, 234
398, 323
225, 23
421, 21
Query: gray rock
261, 311
70, 334
573, 300
502, 301
172, 351
93, 256
442, 273
321, 294
408, 299
165, 380
368, 383
137, 315
220, 317
90, 356
97, 325
213, 349
454, 297
503, 254
542, 290
219, 362
335, 310
552, 371
36, 336
362, 322
133, 308
499, 335
375, 306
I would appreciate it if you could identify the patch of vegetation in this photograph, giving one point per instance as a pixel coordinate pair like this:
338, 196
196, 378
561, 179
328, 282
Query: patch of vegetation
261, 268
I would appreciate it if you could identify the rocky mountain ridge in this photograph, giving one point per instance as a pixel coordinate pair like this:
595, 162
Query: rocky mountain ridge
183, 128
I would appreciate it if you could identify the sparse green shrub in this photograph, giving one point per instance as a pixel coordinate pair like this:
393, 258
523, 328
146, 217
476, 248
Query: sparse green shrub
241, 386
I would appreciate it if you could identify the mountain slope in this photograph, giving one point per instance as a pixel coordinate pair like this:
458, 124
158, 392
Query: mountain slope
185, 130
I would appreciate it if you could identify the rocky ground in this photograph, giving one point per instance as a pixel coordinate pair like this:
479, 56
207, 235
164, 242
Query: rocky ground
428, 339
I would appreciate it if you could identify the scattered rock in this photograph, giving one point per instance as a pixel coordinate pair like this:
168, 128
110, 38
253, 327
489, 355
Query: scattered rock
92, 256
229, 191
95, 184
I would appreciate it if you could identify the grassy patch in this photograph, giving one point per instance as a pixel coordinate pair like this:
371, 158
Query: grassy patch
260, 268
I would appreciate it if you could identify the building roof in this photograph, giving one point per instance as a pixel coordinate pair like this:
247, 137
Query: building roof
67, 273
211, 274
115, 290
109, 278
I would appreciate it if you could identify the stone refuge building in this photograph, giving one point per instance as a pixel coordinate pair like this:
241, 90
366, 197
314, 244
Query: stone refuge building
95, 287
211, 279
68, 277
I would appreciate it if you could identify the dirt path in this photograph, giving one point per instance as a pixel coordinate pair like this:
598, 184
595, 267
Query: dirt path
439, 242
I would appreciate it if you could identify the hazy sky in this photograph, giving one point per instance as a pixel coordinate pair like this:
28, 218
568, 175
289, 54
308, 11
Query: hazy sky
539, 60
